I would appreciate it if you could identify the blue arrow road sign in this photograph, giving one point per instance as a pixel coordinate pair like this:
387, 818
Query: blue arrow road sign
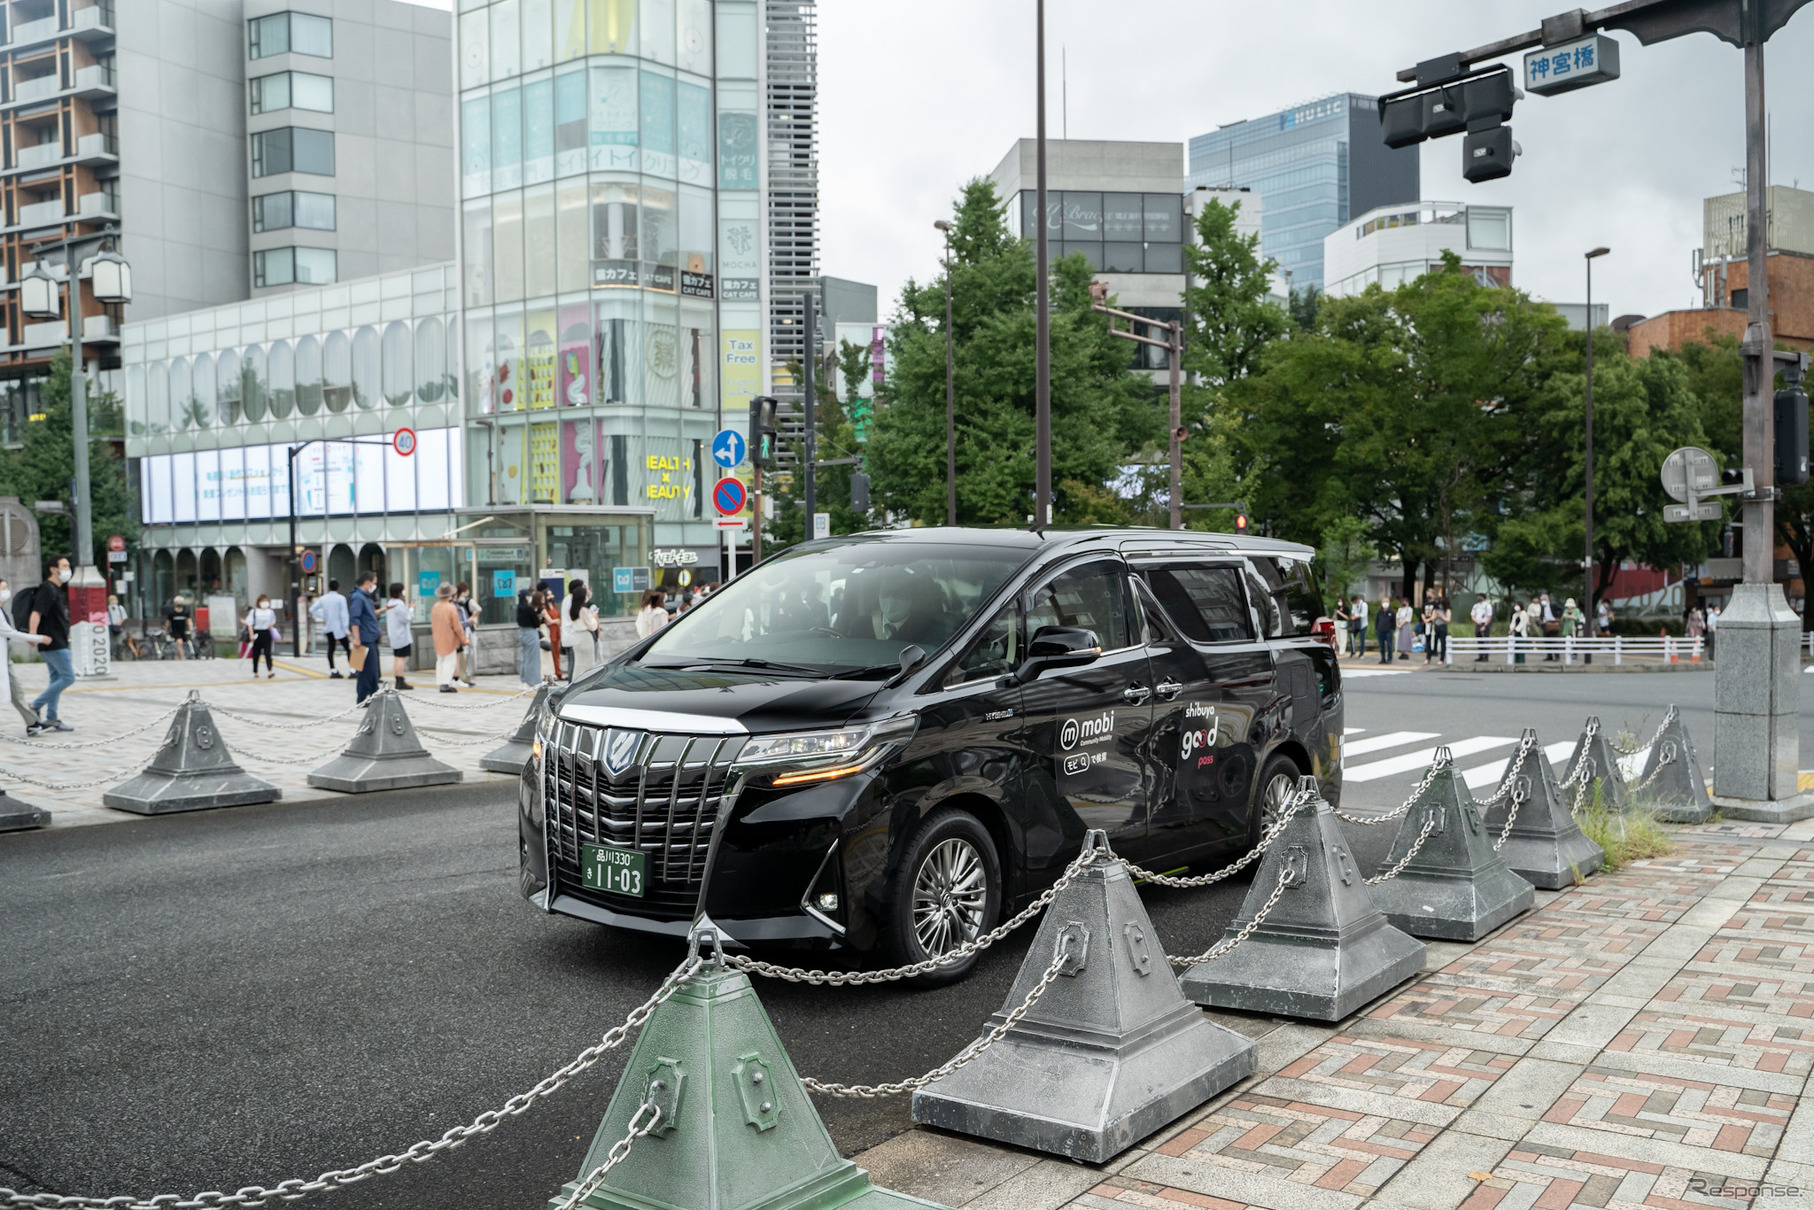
728, 448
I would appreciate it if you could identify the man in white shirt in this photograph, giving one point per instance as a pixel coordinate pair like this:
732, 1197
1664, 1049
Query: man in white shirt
1357, 625
330, 609
1482, 615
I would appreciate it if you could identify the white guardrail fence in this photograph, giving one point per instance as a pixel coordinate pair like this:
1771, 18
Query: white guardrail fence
1505, 649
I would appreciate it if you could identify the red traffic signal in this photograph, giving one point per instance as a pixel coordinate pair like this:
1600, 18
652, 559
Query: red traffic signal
1240, 523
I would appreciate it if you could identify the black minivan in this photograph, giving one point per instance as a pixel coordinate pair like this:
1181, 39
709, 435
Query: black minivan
882, 742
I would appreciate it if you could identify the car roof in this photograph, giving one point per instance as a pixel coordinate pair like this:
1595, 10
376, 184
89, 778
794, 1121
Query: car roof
1128, 540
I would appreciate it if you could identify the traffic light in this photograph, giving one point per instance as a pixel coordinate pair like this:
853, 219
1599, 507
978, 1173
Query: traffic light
1791, 436
1486, 155
1240, 523
859, 492
762, 430
1446, 102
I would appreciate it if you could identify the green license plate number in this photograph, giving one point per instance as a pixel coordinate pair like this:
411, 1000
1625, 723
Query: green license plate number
617, 871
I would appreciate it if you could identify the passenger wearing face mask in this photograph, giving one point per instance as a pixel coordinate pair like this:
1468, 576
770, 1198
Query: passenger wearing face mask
906, 611
50, 618
12, 634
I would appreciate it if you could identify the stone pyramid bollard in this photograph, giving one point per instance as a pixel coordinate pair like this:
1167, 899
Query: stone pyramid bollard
513, 755
16, 816
384, 754
1674, 784
1546, 847
1602, 765
737, 1129
191, 772
1325, 949
1456, 888
1110, 1053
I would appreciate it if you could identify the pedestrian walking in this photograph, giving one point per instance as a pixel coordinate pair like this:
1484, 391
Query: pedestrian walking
362, 622
464, 660
49, 616
528, 638
1440, 628
9, 634
1713, 626
1603, 617
551, 619
1482, 617
116, 625
397, 634
1357, 625
261, 624
1345, 641
654, 613
1385, 628
449, 633
580, 630
1520, 628
1407, 636
1573, 620
330, 611
176, 625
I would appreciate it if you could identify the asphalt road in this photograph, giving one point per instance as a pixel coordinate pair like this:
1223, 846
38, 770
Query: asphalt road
235, 997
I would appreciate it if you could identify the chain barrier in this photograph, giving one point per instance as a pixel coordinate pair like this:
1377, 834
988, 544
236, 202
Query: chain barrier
1507, 783
1521, 793
109, 742
819, 978
490, 738
615, 1156
1668, 757
1436, 766
968, 1054
491, 705
223, 712
1429, 825
1259, 918
1584, 761
1235, 867
254, 1195
263, 759
1581, 791
1668, 717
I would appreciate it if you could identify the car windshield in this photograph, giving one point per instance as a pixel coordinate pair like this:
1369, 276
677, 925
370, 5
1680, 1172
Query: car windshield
840, 609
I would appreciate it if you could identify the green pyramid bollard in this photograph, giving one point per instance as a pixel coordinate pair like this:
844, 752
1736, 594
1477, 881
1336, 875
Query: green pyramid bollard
737, 1130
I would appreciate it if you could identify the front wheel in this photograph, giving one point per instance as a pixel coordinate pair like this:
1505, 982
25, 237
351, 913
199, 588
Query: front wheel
1278, 786
946, 892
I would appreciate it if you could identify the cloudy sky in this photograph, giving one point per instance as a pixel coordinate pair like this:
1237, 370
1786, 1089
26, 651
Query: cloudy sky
915, 98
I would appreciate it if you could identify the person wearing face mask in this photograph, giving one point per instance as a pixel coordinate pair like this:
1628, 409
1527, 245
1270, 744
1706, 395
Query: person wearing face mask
50, 618
11, 634
261, 624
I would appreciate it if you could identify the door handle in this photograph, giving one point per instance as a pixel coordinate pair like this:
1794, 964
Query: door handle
1169, 689
1136, 694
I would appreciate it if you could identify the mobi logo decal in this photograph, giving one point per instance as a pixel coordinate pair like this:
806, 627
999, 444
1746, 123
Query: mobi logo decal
1086, 730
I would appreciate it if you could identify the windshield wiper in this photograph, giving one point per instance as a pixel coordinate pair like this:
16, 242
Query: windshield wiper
754, 664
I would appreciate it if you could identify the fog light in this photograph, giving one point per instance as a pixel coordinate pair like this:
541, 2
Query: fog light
828, 902
535, 748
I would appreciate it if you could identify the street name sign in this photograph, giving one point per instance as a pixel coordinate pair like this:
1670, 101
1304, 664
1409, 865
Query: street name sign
1692, 512
1571, 65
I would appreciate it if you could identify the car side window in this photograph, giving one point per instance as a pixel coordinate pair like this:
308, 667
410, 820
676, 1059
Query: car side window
1265, 605
1206, 602
998, 651
1094, 597
1159, 627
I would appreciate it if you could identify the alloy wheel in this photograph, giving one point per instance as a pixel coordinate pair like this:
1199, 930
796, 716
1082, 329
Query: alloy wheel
950, 895
1274, 799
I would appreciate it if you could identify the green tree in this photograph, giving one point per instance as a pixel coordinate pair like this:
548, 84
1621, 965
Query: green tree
1344, 556
41, 469
836, 439
1102, 411
853, 367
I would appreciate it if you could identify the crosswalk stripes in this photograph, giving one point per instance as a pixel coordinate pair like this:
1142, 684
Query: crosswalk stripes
1349, 674
1476, 777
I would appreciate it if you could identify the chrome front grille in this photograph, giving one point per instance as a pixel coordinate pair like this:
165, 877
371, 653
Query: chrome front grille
661, 795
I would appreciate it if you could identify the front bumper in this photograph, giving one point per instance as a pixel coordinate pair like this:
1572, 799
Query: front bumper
765, 930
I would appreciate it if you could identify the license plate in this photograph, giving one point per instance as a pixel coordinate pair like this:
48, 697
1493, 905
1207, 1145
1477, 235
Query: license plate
618, 871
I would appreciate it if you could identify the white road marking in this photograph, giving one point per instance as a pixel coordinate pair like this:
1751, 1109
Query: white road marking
1392, 739
1349, 674
1422, 758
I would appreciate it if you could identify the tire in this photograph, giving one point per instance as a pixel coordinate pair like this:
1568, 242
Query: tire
949, 851
1277, 783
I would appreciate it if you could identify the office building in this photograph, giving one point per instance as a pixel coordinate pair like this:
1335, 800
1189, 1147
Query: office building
240, 148
1317, 165
1396, 244
790, 89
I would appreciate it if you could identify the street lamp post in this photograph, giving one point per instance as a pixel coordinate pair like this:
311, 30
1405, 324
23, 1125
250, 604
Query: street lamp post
1042, 374
950, 390
1173, 344
1588, 562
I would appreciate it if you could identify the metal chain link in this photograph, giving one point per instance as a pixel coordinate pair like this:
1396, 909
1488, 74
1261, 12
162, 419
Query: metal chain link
968, 1054
1583, 761
1668, 758
1436, 766
1668, 717
491, 738
223, 712
262, 758
254, 1195
615, 1156
1505, 784
1520, 789
1259, 918
109, 742
501, 701
1235, 867
1429, 825
819, 978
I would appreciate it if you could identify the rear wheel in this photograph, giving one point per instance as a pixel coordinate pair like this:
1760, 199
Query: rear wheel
947, 892
1278, 786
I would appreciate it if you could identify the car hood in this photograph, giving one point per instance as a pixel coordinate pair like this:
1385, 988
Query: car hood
756, 701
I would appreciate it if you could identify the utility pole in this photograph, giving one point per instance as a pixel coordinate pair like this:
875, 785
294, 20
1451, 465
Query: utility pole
950, 389
1587, 596
1173, 344
809, 408
1042, 339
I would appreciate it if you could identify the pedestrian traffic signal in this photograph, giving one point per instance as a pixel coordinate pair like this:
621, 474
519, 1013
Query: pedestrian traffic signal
1240, 523
762, 430
859, 492
1791, 436
1486, 155
1479, 104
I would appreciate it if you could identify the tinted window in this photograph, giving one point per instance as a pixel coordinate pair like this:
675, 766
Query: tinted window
998, 651
1303, 596
1264, 579
1091, 597
1205, 602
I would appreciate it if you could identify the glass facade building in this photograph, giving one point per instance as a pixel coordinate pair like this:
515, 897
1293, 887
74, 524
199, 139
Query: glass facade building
610, 253
1317, 165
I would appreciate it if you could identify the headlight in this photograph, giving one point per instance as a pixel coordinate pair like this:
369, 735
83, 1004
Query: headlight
797, 757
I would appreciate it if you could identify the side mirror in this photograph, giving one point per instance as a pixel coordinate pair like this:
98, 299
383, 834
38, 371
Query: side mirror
1058, 647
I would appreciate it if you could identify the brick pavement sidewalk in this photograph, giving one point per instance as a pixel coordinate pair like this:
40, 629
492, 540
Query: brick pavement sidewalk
1643, 1040
141, 691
